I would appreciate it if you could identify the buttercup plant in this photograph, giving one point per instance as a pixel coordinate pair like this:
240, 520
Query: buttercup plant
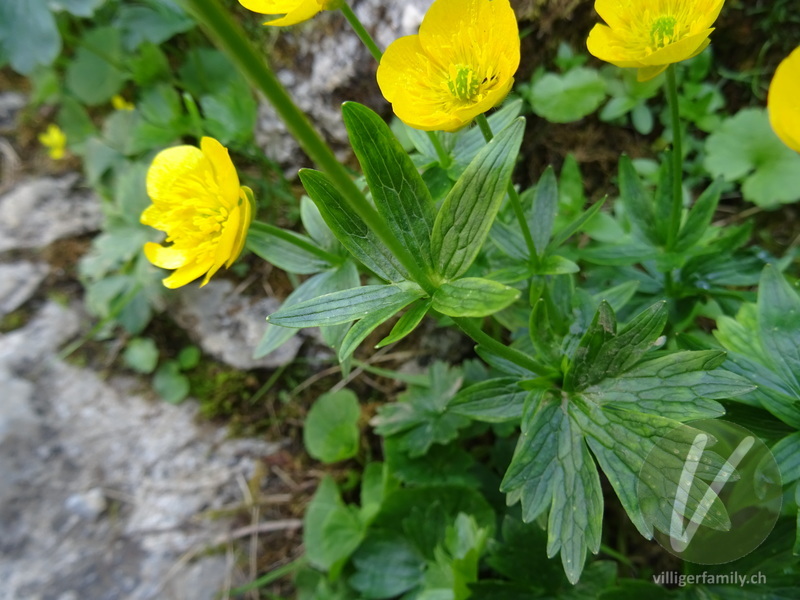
650, 35
782, 102
55, 140
599, 331
460, 65
199, 204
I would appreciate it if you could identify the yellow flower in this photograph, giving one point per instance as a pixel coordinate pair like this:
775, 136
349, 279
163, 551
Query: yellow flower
198, 202
119, 103
652, 34
294, 11
55, 140
460, 65
783, 102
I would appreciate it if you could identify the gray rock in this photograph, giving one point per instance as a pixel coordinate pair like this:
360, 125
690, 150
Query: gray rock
76, 445
88, 505
324, 64
38, 212
10, 104
18, 282
229, 326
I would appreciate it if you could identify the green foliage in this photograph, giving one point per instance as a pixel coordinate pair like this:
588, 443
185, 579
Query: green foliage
331, 428
745, 149
568, 97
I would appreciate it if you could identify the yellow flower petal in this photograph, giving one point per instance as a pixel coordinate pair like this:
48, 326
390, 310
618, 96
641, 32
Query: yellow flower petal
55, 140
294, 11
187, 274
460, 65
224, 171
167, 257
248, 208
652, 35
162, 182
783, 102
197, 203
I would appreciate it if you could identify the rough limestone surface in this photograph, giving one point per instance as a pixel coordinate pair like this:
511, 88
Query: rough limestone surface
322, 64
229, 326
105, 490
18, 282
104, 487
40, 211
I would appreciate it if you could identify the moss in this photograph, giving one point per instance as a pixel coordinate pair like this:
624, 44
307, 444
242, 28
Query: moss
14, 320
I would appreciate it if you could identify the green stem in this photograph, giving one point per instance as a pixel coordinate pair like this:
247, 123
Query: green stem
444, 157
516, 203
499, 348
293, 238
230, 38
361, 31
278, 573
677, 160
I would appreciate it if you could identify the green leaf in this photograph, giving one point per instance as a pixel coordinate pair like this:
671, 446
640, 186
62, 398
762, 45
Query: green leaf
344, 306
79, 8
189, 357
779, 325
152, 21
569, 97
575, 226
141, 355
170, 383
441, 465
418, 418
492, 401
315, 225
29, 34
330, 432
331, 530
365, 326
699, 217
680, 386
285, 254
98, 159
75, 121
407, 323
231, 113
557, 265
473, 297
542, 216
94, 75
466, 216
746, 149
149, 65
638, 203
334, 280
621, 440
470, 141
787, 455
603, 352
350, 229
399, 192
386, 566
552, 468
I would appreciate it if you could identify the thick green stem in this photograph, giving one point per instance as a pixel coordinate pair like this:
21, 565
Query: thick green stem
298, 241
232, 40
677, 160
361, 31
516, 203
515, 356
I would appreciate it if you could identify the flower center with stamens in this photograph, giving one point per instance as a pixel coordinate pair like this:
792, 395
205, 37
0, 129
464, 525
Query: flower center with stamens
463, 83
662, 31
